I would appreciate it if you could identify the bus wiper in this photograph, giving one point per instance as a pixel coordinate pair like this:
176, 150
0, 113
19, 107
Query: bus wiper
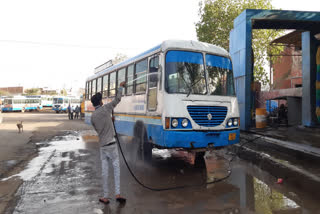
191, 86
187, 84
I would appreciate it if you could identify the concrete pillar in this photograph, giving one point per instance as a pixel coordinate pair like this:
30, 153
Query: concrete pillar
309, 48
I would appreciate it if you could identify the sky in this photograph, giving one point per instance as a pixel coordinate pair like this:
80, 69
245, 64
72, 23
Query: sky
57, 44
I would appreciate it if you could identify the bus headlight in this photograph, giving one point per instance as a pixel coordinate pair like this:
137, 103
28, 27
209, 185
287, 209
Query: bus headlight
229, 122
184, 123
235, 121
174, 123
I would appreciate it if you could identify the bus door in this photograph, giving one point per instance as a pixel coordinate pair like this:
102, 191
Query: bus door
152, 83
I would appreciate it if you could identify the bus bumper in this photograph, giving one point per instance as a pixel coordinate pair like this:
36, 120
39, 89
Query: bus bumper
200, 139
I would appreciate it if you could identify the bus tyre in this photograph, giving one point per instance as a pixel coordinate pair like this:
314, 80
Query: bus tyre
144, 147
57, 112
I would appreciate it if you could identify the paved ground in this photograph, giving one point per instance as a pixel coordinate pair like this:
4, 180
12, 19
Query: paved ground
64, 176
18, 148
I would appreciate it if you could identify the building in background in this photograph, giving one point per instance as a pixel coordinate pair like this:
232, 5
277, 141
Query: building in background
286, 80
18, 90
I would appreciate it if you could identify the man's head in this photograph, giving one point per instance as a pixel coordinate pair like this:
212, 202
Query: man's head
96, 99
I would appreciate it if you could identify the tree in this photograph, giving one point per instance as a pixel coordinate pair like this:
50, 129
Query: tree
216, 22
63, 92
32, 91
4, 93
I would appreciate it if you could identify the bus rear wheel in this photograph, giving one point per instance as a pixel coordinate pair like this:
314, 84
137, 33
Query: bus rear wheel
143, 143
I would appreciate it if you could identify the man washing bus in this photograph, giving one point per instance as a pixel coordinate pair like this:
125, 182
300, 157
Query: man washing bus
101, 120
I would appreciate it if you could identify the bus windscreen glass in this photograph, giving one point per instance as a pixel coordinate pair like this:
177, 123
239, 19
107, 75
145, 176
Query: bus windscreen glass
220, 75
58, 100
185, 73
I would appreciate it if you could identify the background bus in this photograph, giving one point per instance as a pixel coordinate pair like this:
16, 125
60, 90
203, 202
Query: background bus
22, 103
46, 100
61, 103
179, 94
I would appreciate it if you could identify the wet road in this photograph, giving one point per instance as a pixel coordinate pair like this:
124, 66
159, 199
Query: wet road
65, 177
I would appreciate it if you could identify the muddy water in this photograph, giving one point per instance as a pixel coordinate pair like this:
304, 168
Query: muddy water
66, 178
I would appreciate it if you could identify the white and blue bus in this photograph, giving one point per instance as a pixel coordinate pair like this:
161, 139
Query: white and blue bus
46, 100
22, 103
179, 94
61, 103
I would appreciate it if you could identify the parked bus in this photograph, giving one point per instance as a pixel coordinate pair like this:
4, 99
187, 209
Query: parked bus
46, 100
179, 94
61, 103
22, 103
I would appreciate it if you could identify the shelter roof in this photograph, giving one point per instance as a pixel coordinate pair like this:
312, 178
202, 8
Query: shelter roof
292, 38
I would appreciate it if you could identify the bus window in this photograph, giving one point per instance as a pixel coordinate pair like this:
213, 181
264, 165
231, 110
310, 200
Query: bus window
129, 80
87, 90
99, 84
141, 78
8, 101
94, 87
121, 76
185, 73
113, 84
90, 91
105, 85
220, 75
153, 68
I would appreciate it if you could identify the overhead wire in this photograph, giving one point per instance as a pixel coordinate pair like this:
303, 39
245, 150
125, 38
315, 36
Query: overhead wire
63, 44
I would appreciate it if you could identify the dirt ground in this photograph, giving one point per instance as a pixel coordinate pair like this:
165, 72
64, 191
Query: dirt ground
17, 148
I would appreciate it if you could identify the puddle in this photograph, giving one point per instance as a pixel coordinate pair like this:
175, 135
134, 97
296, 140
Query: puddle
268, 200
50, 150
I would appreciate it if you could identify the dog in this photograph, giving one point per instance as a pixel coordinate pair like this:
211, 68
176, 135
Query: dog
20, 126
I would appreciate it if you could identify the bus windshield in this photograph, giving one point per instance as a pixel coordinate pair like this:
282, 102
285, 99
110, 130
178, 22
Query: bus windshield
185, 73
57, 100
220, 75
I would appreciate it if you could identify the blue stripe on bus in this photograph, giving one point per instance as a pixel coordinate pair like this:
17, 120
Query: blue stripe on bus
32, 108
218, 61
59, 109
184, 56
179, 139
11, 109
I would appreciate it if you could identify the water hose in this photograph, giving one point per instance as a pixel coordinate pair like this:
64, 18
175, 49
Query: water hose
175, 187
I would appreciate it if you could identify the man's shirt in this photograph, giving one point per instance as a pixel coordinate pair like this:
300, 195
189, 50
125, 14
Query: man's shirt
101, 119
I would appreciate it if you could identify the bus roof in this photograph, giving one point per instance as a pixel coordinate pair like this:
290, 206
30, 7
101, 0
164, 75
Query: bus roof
164, 46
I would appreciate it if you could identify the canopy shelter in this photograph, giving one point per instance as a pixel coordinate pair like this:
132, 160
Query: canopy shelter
240, 49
